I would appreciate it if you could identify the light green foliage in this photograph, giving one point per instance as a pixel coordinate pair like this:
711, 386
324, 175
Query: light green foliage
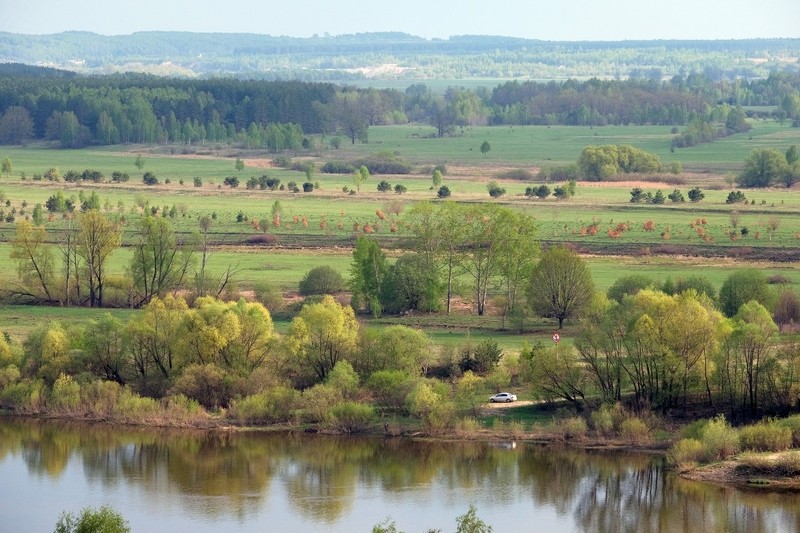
436, 178
485, 147
629, 286
276, 404
766, 436
103, 520
6, 166
435, 411
206, 383
598, 163
470, 523
360, 176
65, 395
159, 263
572, 428
344, 379
685, 453
719, 439
634, 430
322, 334
351, 417
34, 260
411, 284
390, 389
470, 391
555, 373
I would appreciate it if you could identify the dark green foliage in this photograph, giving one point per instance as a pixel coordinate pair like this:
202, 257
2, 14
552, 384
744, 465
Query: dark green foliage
384, 164
366, 275
695, 194
119, 177
208, 384
149, 179
598, 163
735, 197
699, 284
384, 186
762, 168
308, 186
338, 167
560, 193
321, 280
198, 182
400, 188
481, 358
443, 192
562, 173
231, 181
495, 191
410, 285
628, 286
743, 286
676, 196
658, 198
638, 195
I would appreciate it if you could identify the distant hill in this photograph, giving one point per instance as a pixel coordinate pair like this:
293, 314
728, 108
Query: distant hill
393, 55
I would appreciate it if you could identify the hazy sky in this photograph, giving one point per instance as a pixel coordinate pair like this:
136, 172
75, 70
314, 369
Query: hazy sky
535, 19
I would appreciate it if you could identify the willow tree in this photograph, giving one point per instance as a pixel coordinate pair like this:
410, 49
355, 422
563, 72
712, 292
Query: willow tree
34, 263
98, 238
561, 285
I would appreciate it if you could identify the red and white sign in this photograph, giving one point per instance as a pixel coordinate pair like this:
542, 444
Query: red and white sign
556, 338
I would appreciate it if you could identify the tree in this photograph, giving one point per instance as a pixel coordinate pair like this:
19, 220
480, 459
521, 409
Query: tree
436, 178
695, 195
139, 162
105, 349
629, 286
16, 125
366, 274
443, 192
561, 285
743, 286
410, 284
159, 263
762, 168
6, 166
34, 262
321, 280
322, 334
350, 115
98, 237
485, 147
239, 165
360, 176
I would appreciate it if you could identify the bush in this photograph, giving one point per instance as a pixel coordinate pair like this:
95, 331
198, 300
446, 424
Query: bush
634, 430
274, 405
573, 428
384, 186
522, 174
198, 182
695, 195
208, 384
561, 173
104, 520
602, 420
765, 436
149, 179
735, 197
351, 417
495, 191
443, 192
337, 167
719, 439
685, 453
321, 280
400, 188
308, 187
231, 181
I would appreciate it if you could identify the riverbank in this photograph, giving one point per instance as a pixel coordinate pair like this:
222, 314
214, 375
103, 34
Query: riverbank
768, 471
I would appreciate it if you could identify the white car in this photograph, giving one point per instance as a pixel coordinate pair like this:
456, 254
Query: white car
503, 397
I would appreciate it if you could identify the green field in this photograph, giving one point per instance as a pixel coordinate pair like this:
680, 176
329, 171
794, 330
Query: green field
318, 228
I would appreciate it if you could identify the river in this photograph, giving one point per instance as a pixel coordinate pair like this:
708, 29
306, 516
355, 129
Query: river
203, 481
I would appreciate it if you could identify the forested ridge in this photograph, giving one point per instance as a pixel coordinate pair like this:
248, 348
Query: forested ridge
75, 111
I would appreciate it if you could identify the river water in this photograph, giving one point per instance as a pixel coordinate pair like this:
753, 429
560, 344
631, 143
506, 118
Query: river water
198, 481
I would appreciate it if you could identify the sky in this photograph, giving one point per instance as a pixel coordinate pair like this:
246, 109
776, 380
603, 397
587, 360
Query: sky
553, 20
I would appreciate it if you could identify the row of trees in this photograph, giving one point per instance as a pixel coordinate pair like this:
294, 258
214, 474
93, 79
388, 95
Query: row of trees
108, 110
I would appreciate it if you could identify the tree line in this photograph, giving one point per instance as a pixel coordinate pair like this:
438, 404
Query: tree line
77, 111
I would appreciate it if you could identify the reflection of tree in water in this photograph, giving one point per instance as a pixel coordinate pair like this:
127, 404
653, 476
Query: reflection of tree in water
232, 474
633, 492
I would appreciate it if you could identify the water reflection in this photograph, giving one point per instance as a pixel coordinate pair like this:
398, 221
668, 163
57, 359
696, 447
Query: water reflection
329, 481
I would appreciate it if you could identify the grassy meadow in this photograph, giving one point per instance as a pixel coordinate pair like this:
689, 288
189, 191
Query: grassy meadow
318, 228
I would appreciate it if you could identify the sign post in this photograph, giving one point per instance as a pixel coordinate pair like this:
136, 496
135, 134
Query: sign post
556, 338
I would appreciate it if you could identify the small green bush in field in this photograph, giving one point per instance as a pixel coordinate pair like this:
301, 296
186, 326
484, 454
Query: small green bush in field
765, 436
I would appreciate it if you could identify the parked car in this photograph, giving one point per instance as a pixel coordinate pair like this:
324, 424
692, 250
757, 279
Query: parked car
503, 397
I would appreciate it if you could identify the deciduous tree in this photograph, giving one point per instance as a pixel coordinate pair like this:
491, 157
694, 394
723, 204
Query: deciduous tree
561, 285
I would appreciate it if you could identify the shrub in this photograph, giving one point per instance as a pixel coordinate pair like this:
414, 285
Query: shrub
208, 384
308, 187
337, 167
443, 192
149, 179
468, 427
495, 191
104, 520
634, 430
66, 395
602, 420
198, 182
765, 436
719, 439
321, 280
400, 188
384, 186
572, 428
735, 197
274, 405
560, 173
685, 453
784, 465
695, 195
676, 196
231, 181
351, 417
522, 174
